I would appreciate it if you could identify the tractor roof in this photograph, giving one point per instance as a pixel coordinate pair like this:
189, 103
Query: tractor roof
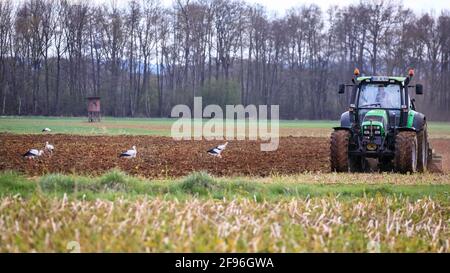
381, 78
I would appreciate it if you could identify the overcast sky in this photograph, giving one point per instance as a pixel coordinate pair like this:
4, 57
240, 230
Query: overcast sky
418, 6
280, 6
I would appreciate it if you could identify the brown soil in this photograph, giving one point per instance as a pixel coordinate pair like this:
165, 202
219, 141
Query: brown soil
163, 156
442, 147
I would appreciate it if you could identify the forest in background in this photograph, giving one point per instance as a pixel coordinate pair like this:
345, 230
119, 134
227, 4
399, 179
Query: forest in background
143, 58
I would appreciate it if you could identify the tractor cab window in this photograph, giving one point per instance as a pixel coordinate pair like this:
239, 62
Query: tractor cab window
379, 95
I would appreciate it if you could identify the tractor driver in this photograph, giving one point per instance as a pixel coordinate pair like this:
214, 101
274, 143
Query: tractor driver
383, 97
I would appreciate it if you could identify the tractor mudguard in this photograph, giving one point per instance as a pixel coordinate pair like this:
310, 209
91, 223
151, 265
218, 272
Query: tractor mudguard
411, 129
345, 120
419, 121
342, 128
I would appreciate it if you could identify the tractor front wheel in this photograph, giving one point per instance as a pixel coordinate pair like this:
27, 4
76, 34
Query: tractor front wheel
339, 151
406, 149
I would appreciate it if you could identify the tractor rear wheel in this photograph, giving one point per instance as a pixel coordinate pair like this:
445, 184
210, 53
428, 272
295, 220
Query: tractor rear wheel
406, 152
422, 141
339, 151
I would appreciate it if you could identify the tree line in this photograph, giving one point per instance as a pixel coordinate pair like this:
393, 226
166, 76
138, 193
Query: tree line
143, 58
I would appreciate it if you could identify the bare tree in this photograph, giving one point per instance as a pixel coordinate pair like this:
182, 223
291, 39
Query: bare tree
5, 36
143, 58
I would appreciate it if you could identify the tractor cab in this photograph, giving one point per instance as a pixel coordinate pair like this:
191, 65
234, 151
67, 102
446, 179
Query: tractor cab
374, 93
390, 94
378, 102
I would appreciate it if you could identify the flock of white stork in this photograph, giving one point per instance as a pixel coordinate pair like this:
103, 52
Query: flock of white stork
49, 148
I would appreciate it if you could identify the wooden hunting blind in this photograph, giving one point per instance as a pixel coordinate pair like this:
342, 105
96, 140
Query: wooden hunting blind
93, 109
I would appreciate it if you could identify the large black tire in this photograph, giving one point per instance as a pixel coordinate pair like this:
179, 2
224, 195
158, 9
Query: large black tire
422, 142
406, 152
339, 151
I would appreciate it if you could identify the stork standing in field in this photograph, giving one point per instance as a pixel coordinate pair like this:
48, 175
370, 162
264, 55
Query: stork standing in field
46, 129
49, 147
217, 151
130, 153
33, 153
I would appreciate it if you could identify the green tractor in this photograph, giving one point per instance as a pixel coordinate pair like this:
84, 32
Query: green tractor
381, 125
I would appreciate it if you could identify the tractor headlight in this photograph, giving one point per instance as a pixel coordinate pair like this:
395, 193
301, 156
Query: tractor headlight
377, 132
366, 132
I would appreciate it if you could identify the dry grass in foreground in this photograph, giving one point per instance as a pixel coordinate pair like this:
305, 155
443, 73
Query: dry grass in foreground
322, 224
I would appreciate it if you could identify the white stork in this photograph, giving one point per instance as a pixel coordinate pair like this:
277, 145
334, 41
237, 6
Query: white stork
49, 147
217, 151
31, 154
46, 129
130, 153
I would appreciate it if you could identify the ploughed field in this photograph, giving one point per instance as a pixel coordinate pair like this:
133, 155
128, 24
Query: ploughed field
161, 156
165, 157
